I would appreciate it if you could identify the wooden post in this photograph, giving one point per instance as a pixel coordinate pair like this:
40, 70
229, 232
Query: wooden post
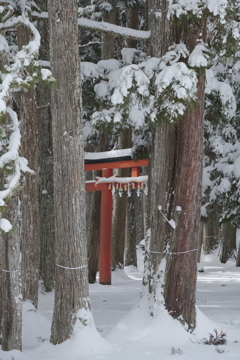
135, 171
105, 262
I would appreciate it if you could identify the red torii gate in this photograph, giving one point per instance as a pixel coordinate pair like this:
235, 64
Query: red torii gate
107, 161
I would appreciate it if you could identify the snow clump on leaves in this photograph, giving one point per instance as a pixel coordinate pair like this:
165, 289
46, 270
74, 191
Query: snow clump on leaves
176, 86
131, 77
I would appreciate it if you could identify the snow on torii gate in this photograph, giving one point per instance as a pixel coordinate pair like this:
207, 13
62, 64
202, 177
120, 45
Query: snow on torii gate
107, 161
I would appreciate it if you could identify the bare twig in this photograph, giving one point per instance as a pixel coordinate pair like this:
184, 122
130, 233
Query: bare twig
91, 43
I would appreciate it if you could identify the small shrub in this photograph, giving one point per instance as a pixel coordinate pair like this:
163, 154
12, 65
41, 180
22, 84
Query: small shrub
176, 351
40, 339
217, 339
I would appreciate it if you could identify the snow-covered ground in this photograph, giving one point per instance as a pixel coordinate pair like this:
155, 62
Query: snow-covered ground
126, 332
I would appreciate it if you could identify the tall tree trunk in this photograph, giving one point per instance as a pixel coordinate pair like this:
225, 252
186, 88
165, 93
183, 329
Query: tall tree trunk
46, 207
131, 235
1, 288
238, 255
119, 223
228, 242
180, 289
145, 202
30, 243
95, 212
211, 230
120, 208
71, 289
200, 241
132, 22
11, 278
94, 236
108, 39
133, 222
95, 222
175, 189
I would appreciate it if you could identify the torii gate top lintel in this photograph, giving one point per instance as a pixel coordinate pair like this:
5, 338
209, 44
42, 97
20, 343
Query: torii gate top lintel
114, 159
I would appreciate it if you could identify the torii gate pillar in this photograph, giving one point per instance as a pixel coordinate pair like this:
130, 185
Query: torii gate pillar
105, 258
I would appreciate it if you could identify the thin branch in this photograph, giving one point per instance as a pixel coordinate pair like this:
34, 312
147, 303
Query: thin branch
8, 15
42, 106
91, 43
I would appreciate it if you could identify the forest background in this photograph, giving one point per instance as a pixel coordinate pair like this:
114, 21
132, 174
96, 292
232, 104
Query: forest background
147, 73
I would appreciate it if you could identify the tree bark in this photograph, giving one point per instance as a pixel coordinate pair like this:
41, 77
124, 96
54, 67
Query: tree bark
180, 289
71, 289
95, 212
119, 223
174, 189
11, 278
94, 236
132, 22
131, 234
238, 256
46, 207
30, 240
95, 222
211, 230
228, 242
200, 241
120, 208
107, 38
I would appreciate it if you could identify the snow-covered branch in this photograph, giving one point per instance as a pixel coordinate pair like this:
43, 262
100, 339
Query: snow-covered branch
18, 73
114, 29
105, 27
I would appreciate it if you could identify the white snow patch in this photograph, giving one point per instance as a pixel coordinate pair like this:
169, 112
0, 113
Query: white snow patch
107, 154
5, 225
102, 89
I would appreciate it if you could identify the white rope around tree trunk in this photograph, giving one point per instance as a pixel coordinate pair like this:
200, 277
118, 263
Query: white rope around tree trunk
70, 268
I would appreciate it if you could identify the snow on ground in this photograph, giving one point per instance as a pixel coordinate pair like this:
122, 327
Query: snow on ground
126, 332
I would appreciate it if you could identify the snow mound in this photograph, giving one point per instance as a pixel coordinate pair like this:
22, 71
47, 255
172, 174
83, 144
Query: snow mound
36, 328
86, 342
142, 337
139, 329
118, 275
133, 272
